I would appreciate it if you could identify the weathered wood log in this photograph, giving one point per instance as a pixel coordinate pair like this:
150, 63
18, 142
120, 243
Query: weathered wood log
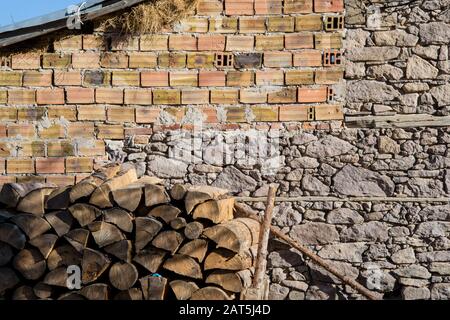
184, 265
228, 260
57, 277
131, 294
11, 234
31, 224
157, 288
229, 280
129, 197
121, 249
196, 249
178, 191
199, 194
34, 202
210, 293
155, 195
146, 229
84, 213
178, 223
166, 212
61, 221
44, 243
123, 275
24, 293
93, 264
120, 218
63, 255
42, 290
6, 253
78, 238
71, 296
30, 263
236, 235
96, 291
84, 188
217, 211
105, 233
11, 193
183, 290
150, 259
101, 197
5, 215
168, 240
8, 279
193, 230
59, 199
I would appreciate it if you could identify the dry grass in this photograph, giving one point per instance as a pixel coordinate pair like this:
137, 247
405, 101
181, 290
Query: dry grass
150, 17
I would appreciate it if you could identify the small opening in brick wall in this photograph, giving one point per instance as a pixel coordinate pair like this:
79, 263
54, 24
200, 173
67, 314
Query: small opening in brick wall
311, 113
332, 57
5, 62
330, 94
224, 60
334, 23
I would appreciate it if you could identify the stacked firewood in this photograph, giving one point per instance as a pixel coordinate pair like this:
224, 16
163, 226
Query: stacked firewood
116, 236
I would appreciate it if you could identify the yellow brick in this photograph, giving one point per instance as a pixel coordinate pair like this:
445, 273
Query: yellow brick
94, 42
200, 60
71, 43
269, 42
328, 41
285, 95
193, 24
252, 25
91, 113
79, 165
252, 96
143, 60
8, 114
21, 97
240, 78
178, 79
120, 114
280, 24
107, 131
195, 97
329, 112
223, 25
62, 112
31, 149
126, 78
240, 43
329, 76
30, 114
265, 113
297, 77
225, 96
308, 23
124, 43
52, 132
61, 148
91, 148
8, 78
15, 166
296, 113
166, 96
172, 60
81, 130
154, 42
236, 114
56, 60
3, 96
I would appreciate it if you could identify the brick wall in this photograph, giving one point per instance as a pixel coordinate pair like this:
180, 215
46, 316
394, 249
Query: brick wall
280, 60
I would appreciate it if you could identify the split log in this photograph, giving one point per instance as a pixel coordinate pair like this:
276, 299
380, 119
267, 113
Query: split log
24, 293
11, 234
42, 290
155, 195
93, 264
199, 194
57, 277
6, 254
231, 281
196, 249
97, 291
121, 250
59, 199
34, 202
210, 293
217, 211
236, 235
228, 260
146, 229
71, 296
183, 290
120, 218
193, 230
178, 223
31, 224
131, 294
44, 243
64, 255
78, 238
84, 213
150, 259
178, 191
101, 197
168, 240
8, 279
5, 215
166, 212
129, 197
157, 288
105, 233
84, 188
123, 275
184, 265
108, 171
30, 263
11, 193
61, 221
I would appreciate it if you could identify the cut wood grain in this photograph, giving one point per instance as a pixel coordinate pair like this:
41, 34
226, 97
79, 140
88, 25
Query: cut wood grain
178, 223
128, 198
11, 234
183, 290
93, 264
121, 250
150, 259
30, 263
44, 243
146, 229
157, 288
193, 230
42, 290
57, 277
120, 218
105, 233
11, 193
96, 291
84, 213
231, 281
184, 265
155, 195
217, 211
61, 221
228, 260
34, 202
78, 238
31, 224
166, 212
59, 199
210, 293
199, 194
24, 293
84, 188
168, 240
123, 275
63, 255
8, 279
6, 254
196, 249
178, 191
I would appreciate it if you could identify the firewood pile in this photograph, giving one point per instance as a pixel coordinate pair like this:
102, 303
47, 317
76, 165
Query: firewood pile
116, 236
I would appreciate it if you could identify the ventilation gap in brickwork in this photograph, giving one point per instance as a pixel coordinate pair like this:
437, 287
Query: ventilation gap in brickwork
5, 62
332, 58
334, 23
330, 94
311, 113
224, 60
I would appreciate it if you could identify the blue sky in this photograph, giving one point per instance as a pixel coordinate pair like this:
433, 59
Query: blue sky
21, 10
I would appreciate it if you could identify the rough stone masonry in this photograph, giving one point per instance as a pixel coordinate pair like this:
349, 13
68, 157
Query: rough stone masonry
90, 102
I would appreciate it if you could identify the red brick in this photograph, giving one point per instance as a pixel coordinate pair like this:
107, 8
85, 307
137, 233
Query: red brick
37, 78
183, 79
54, 131
252, 24
209, 7
120, 114
278, 59
284, 95
299, 41
212, 79
61, 180
143, 60
7, 179
80, 130
85, 60
79, 165
50, 165
115, 60
138, 96
126, 78
109, 95
31, 114
67, 78
294, 113
57, 112
224, 96
268, 6
252, 96
60, 148
270, 77
26, 61
154, 78
50, 96
110, 131
21, 97
239, 7
298, 6
193, 96
210, 114
328, 5
91, 148
151, 42
147, 115
182, 42
310, 95
80, 95
211, 42
240, 78
19, 166
124, 43
240, 43
309, 58
3, 131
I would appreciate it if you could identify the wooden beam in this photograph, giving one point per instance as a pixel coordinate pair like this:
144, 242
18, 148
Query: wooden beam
345, 199
397, 121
